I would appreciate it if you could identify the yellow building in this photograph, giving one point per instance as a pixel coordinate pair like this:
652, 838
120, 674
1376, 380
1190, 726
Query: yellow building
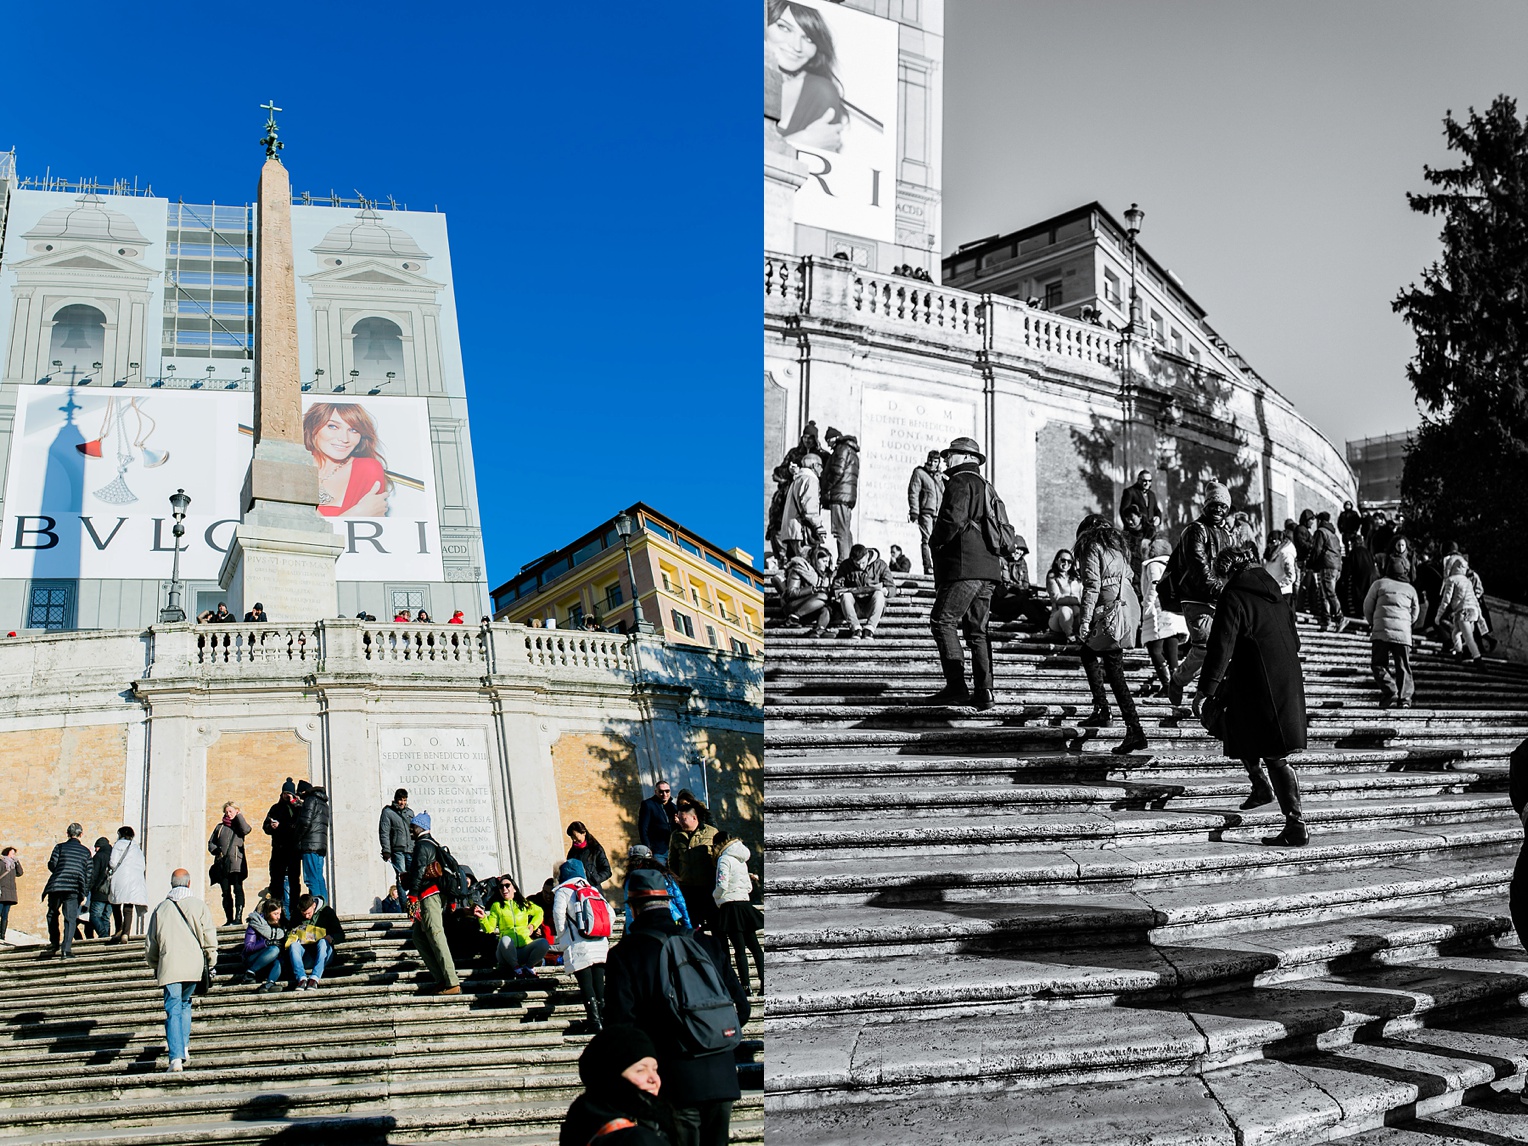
691, 591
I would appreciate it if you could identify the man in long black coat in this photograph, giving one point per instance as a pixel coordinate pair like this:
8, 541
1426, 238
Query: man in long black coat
1252, 666
280, 824
965, 574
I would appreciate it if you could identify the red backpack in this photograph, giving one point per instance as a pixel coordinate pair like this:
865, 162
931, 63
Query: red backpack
589, 914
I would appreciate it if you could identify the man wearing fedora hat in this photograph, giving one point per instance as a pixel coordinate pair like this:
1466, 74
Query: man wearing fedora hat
966, 572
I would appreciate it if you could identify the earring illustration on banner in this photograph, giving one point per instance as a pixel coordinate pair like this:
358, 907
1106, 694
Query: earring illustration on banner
151, 458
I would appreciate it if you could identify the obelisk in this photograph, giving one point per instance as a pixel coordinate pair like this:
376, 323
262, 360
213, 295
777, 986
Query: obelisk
283, 553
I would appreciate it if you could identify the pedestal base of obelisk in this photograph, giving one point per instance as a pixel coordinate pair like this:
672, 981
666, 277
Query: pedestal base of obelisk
289, 571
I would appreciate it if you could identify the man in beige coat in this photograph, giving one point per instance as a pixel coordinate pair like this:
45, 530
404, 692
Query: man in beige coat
182, 942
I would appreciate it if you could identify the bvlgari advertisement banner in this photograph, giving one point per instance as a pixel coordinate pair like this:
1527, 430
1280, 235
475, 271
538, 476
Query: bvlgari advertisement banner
838, 109
91, 472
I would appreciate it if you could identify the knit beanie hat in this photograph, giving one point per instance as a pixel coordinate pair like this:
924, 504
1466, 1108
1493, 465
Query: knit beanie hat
574, 869
610, 1052
1216, 493
422, 821
289, 788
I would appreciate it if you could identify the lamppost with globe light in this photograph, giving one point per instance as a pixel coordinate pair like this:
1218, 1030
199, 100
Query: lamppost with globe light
172, 613
623, 526
1134, 217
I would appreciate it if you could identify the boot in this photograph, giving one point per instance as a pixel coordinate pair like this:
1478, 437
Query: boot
592, 1017
1099, 717
1135, 738
983, 700
954, 691
1262, 790
1294, 835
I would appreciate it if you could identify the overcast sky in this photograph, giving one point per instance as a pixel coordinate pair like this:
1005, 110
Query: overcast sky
1270, 145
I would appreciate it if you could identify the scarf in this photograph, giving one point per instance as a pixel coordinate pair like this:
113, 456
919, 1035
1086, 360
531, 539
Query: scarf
179, 892
227, 820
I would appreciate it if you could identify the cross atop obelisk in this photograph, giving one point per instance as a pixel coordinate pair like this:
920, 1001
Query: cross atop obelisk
271, 144
283, 552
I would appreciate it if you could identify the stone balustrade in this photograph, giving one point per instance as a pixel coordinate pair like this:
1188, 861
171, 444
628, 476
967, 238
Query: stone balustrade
257, 644
424, 644
553, 648
836, 289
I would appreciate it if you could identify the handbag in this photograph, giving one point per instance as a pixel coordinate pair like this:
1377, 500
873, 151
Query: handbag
206, 982
1116, 622
1212, 715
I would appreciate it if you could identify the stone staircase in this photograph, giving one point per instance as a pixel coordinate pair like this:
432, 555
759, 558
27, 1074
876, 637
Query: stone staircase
366, 1058
987, 927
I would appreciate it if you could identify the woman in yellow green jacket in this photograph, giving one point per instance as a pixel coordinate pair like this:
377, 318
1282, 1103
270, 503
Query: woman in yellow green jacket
516, 921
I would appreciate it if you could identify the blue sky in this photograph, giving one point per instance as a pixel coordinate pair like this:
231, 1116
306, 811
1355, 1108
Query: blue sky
598, 166
1271, 146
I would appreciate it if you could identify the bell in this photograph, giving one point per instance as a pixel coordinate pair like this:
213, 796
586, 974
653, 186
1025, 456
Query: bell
74, 338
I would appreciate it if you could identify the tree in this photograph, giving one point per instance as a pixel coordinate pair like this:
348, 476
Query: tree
1465, 467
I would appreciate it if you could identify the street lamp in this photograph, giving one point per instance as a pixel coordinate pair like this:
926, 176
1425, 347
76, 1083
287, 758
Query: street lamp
641, 623
1133, 220
172, 613
1127, 391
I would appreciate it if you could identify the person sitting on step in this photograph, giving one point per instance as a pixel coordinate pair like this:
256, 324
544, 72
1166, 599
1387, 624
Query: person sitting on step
862, 587
316, 931
263, 941
515, 923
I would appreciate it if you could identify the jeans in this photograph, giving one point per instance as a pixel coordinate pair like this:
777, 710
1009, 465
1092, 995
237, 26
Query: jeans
1402, 684
100, 919
925, 527
300, 956
966, 603
854, 607
286, 880
1278, 775
1200, 619
1328, 607
69, 904
267, 959
512, 958
843, 535
5, 918
313, 875
705, 1124
177, 1018
400, 862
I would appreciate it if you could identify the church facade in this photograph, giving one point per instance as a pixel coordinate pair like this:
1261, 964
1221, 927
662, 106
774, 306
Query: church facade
126, 356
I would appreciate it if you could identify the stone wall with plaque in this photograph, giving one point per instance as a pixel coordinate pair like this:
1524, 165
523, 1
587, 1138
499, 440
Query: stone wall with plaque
897, 430
446, 772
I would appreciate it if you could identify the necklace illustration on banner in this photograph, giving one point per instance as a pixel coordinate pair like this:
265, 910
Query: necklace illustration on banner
117, 491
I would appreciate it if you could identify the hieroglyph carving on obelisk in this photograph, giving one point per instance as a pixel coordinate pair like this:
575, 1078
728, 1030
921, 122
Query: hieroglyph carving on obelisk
283, 553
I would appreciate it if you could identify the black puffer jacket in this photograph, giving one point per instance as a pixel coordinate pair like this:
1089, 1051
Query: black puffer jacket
70, 866
313, 823
1200, 542
840, 484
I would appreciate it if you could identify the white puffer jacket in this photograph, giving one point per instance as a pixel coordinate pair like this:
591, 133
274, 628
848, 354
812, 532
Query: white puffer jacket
577, 952
732, 882
129, 883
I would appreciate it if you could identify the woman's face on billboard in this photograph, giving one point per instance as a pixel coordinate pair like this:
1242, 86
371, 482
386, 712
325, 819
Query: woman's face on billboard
793, 47
336, 438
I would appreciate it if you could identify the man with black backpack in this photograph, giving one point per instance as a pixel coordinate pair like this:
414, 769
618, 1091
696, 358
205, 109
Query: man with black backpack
1189, 586
970, 537
681, 991
429, 881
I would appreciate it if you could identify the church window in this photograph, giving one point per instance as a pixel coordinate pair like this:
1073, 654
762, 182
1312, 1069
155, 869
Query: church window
377, 350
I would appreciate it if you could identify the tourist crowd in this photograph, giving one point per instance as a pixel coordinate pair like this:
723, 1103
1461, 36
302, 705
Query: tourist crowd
674, 988
1222, 593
